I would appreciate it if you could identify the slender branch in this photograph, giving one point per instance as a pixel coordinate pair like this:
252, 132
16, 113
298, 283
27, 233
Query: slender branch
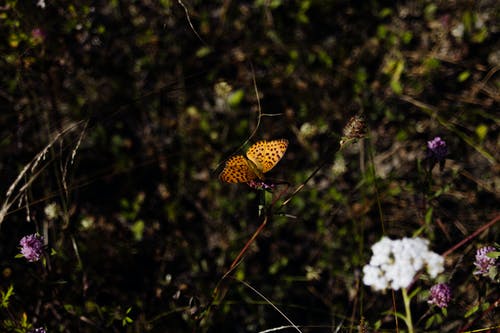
189, 21
249, 242
473, 235
270, 303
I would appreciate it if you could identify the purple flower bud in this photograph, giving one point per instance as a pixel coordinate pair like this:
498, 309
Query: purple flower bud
484, 263
260, 185
440, 295
38, 35
437, 149
32, 247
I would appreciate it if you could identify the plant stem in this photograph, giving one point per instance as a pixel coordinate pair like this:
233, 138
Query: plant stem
408, 319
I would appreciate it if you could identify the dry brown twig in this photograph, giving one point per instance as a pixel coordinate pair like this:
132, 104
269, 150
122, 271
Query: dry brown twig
33, 169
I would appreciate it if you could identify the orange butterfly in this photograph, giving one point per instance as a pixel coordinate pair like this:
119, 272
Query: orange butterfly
261, 157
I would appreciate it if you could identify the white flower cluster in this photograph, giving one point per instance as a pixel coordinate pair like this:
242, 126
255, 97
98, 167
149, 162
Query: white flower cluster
395, 262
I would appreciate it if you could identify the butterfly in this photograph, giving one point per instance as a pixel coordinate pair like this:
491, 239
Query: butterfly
261, 157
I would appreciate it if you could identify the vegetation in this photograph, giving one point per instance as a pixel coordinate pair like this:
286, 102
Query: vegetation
118, 116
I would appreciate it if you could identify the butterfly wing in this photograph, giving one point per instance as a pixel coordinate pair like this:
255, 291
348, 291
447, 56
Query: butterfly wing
237, 170
266, 154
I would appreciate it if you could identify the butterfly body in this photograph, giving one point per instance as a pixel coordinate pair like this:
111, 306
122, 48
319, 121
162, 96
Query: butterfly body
260, 158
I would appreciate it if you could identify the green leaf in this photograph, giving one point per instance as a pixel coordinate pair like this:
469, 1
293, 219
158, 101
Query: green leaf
467, 21
382, 31
444, 311
127, 319
402, 135
471, 311
428, 215
203, 51
463, 76
69, 308
235, 98
431, 63
429, 322
385, 12
480, 36
396, 87
407, 37
414, 293
481, 131
271, 4
275, 267
430, 11
138, 230
493, 254
397, 69
6, 296
325, 58
240, 273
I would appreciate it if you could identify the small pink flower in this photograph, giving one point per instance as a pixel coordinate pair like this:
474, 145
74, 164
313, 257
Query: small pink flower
440, 295
437, 149
484, 263
32, 247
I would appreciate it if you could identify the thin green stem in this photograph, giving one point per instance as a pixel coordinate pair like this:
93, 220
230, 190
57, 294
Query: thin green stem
407, 318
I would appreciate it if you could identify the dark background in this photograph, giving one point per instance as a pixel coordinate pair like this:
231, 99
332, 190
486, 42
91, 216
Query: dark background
125, 118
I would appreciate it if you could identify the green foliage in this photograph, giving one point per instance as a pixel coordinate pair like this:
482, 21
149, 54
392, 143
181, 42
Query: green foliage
435, 320
481, 131
6, 296
126, 319
122, 113
17, 326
